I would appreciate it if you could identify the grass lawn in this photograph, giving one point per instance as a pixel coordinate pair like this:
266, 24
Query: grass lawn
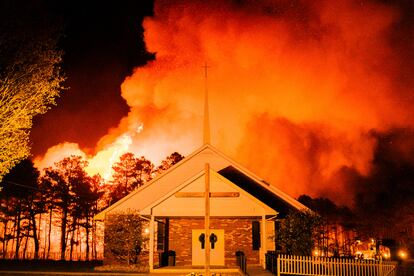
79, 268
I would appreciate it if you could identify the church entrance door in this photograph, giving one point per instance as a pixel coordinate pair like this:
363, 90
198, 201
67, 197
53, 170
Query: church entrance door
216, 243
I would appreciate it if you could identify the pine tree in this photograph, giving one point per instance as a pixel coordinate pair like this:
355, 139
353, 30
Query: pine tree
129, 173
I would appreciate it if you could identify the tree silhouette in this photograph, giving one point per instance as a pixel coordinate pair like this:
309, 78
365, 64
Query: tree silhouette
170, 161
66, 197
65, 181
20, 199
337, 221
129, 173
299, 232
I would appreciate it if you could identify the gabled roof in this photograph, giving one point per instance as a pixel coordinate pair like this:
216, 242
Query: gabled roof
233, 202
188, 168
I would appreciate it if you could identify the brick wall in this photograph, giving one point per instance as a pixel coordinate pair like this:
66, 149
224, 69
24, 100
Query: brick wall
237, 235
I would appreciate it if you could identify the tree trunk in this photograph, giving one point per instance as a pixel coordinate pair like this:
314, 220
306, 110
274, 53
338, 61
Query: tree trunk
72, 238
79, 243
63, 234
13, 232
50, 232
34, 229
25, 243
94, 240
87, 244
45, 241
71, 245
87, 237
18, 230
26, 240
5, 242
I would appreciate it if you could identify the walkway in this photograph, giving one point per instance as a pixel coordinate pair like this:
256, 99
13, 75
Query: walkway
258, 271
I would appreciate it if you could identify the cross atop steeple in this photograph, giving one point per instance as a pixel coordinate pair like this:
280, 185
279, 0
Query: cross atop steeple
206, 128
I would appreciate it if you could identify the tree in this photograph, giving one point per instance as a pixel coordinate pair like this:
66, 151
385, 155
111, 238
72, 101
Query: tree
170, 161
64, 181
337, 221
20, 199
98, 188
123, 236
30, 76
88, 195
129, 173
299, 232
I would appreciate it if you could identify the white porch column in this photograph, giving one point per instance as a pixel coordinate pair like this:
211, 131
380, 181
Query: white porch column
151, 243
263, 242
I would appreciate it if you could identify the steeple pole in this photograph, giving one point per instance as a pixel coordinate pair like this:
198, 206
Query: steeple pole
206, 140
206, 126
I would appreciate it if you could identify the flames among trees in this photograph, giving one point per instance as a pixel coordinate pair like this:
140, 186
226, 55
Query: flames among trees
63, 199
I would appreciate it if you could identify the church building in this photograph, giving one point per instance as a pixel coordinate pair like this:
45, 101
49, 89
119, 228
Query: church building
206, 208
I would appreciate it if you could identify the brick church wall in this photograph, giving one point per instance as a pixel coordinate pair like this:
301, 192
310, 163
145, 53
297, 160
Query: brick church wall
237, 235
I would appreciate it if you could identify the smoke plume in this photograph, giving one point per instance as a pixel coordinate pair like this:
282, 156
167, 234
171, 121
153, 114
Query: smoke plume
297, 88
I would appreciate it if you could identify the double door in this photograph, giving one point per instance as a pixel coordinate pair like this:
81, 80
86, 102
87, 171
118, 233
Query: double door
215, 241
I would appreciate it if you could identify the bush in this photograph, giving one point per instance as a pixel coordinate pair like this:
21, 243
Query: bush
124, 236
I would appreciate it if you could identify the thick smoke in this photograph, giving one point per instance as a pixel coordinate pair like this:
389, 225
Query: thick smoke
296, 88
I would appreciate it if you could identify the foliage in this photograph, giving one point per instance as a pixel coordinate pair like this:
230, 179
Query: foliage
129, 173
20, 202
30, 77
124, 237
338, 221
74, 197
299, 232
64, 200
170, 161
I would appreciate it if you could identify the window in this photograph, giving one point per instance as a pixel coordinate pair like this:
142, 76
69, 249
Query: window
160, 236
277, 230
256, 235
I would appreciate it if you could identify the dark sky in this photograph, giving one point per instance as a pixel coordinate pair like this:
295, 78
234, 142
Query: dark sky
102, 44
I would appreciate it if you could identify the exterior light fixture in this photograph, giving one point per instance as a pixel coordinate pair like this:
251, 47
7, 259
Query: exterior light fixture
402, 254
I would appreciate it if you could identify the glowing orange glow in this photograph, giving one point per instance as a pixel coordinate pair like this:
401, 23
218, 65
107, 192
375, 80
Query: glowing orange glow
293, 104
402, 254
315, 253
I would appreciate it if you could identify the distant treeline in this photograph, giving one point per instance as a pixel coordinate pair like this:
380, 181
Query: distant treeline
39, 210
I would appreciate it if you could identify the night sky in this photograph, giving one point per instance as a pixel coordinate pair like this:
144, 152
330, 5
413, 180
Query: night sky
102, 42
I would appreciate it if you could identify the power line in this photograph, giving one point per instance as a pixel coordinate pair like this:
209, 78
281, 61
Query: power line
18, 184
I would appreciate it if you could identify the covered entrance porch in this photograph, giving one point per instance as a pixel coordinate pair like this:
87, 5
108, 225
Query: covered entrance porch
239, 222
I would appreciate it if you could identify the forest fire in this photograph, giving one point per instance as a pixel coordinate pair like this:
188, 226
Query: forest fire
296, 102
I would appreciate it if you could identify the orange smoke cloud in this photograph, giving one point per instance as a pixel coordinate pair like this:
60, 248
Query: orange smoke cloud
294, 90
